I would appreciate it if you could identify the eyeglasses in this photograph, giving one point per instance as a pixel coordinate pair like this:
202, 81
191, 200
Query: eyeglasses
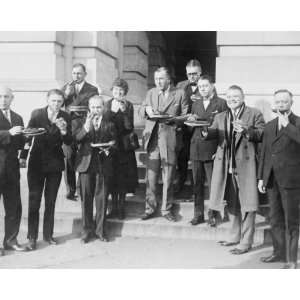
192, 74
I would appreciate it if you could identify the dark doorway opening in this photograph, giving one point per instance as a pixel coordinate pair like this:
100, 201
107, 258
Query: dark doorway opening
183, 46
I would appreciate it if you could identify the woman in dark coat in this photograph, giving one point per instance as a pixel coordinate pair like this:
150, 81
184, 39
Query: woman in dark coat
125, 165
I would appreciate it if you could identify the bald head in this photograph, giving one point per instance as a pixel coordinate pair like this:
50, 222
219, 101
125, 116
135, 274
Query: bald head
6, 97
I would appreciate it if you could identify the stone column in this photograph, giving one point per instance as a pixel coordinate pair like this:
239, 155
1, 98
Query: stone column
31, 62
260, 62
99, 52
135, 68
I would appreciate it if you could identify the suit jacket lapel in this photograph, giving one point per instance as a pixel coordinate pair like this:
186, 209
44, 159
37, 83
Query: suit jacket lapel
155, 100
170, 99
82, 91
59, 115
13, 119
211, 106
45, 116
280, 132
4, 120
199, 107
244, 119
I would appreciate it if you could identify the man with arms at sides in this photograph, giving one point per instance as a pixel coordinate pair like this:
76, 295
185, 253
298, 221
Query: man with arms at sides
193, 72
238, 132
46, 163
279, 174
11, 141
160, 141
95, 166
77, 93
203, 151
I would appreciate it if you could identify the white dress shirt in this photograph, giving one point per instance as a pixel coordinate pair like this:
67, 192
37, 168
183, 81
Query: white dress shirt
97, 122
52, 116
194, 87
78, 87
206, 101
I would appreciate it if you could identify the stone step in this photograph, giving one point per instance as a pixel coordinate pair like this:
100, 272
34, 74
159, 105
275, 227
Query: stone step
160, 227
68, 218
157, 227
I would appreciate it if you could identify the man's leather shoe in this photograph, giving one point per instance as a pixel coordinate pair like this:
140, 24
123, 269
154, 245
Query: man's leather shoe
197, 220
51, 241
71, 196
85, 239
271, 258
238, 251
170, 217
146, 216
102, 238
31, 245
15, 247
212, 218
290, 265
227, 244
2, 253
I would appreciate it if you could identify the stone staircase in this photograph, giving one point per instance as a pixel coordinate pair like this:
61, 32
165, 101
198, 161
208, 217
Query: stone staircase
68, 219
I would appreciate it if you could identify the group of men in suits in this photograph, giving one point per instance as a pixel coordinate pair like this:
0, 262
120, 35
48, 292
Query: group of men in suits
46, 163
225, 153
65, 135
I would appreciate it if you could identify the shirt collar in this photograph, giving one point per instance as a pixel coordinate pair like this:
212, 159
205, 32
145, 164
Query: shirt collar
8, 113
209, 98
80, 85
51, 113
165, 92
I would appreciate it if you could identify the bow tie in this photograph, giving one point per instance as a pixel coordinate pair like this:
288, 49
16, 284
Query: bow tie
193, 84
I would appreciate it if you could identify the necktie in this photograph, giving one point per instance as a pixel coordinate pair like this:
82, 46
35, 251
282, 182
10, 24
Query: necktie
52, 117
77, 89
161, 100
96, 123
279, 125
6, 115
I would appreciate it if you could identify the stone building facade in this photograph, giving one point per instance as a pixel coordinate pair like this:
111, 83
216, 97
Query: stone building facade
260, 62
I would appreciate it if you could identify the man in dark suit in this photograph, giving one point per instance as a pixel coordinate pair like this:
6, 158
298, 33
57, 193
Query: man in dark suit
46, 163
160, 141
95, 166
11, 140
279, 174
190, 88
202, 151
77, 93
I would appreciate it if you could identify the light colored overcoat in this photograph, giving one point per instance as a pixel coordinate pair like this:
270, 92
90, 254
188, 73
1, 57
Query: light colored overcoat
246, 160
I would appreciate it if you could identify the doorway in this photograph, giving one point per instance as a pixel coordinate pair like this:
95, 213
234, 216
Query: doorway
175, 48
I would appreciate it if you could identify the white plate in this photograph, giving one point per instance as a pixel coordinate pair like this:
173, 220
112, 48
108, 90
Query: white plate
99, 145
197, 124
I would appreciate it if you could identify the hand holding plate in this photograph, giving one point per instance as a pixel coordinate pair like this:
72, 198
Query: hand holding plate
16, 130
